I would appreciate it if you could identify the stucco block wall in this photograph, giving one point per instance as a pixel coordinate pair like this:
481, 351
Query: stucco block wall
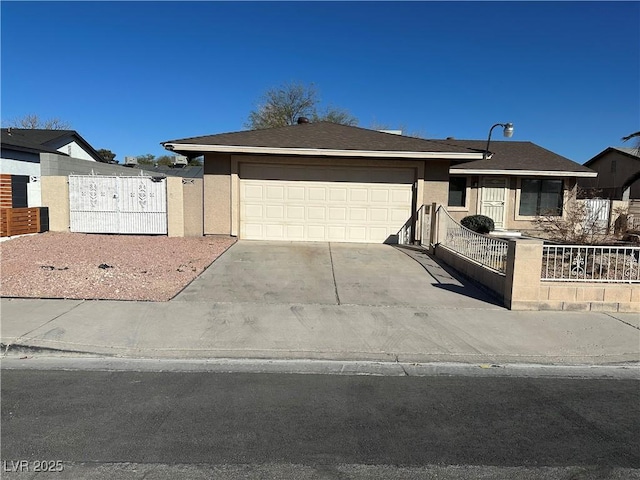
55, 195
57, 165
217, 194
184, 207
193, 207
600, 297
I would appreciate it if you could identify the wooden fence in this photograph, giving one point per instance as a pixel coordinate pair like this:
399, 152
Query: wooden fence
20, 221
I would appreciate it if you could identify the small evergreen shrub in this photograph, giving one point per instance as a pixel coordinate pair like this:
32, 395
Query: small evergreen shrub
478, 223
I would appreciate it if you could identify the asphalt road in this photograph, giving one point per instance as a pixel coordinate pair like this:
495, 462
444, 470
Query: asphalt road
247, 425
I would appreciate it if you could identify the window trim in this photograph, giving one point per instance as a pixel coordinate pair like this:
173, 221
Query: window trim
519, 191
467, 194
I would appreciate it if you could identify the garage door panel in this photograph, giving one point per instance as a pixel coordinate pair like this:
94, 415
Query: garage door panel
316, 233
253, 192
379, 195
294, 232
274, 232
357, 214
330, 210
337, 233
253, 211
400, 196
378, 215
338, 194
275, 192
316, 213
252, 230
274, 212
337, 213
399, 215
295, 193
360, 195
317, 193
295, 212
357, 234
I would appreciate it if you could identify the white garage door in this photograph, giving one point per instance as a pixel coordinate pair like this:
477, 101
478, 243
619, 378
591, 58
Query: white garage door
279, 202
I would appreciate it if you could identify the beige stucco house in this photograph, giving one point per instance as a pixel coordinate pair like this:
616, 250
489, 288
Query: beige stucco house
329, 182
517, 182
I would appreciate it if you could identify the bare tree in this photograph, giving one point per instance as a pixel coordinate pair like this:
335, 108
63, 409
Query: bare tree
636, 136
282, 106
33, 121
577, 225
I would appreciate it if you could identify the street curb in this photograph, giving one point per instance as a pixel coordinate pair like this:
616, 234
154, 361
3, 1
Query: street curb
320, 367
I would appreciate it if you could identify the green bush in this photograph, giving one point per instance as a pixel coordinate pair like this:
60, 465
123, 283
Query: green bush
478, 223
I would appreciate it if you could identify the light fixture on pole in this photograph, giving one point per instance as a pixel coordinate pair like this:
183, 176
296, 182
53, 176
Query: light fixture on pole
507, 132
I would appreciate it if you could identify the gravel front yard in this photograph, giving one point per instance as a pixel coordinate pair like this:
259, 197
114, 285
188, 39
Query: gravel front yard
108, 267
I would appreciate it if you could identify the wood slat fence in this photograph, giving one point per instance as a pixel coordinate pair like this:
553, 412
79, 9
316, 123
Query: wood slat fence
19, 221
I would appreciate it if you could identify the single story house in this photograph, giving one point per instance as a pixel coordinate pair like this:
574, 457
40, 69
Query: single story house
328, 182
20, 151
618, 174
517, 182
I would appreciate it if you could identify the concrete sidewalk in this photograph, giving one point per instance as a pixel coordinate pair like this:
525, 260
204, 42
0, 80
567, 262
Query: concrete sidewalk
185, 330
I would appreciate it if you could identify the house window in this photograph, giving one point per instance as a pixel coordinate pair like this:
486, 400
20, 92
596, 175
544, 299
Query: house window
457, 191
540, 197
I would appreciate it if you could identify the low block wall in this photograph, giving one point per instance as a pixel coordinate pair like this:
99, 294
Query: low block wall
521, 288
492, 280
595, 297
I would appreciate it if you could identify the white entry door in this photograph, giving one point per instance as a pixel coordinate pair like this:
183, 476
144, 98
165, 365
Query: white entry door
337, 204
493, 200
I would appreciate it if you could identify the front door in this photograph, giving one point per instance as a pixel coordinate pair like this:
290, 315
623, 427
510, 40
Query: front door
493, 200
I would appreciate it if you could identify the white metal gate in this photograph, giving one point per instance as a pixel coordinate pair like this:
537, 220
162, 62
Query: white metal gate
597, 213
105, 204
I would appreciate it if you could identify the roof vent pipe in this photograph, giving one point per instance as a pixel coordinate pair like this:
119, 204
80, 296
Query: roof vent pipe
302, 120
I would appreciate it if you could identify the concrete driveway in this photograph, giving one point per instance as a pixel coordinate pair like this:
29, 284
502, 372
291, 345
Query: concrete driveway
332, 274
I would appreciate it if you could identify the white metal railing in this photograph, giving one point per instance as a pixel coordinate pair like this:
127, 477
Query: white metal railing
580, 263
422, 228
487, 251
404, 235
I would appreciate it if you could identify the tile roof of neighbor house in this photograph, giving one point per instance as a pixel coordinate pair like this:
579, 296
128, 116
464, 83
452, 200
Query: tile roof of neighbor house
37, 140
323, 136
518, 156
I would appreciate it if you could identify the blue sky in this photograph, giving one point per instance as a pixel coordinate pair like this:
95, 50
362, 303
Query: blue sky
129, 75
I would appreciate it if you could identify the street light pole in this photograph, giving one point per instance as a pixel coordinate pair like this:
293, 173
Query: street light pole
507, 132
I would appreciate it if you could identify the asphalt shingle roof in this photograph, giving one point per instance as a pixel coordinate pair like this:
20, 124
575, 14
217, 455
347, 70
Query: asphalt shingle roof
323, 135
37, 140
513, 155
32, 139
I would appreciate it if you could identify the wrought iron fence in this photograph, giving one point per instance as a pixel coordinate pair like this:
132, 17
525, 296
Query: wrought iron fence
580, 263
489, 252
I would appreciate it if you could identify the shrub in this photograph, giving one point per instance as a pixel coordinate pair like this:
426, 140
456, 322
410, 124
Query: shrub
478, 223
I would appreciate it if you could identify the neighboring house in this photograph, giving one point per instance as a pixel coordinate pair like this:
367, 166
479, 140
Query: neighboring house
618, 174
518, 182
329, 182
20, 160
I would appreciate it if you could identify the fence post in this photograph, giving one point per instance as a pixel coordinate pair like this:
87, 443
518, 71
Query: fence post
433, 229
522, 279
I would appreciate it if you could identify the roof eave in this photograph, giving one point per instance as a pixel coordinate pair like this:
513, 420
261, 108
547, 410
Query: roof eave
324, 152
522, 173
